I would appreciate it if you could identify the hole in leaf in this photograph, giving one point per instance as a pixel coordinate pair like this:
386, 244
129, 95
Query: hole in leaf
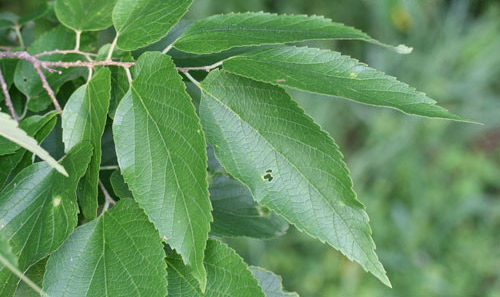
268, 176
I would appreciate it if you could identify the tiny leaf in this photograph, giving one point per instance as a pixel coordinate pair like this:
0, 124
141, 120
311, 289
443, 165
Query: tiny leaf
118, 254
270, 283
262, 138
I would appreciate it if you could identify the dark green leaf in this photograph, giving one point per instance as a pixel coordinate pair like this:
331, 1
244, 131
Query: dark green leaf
161, 153
85, 15
265, 140
119, 186
270, 283
330, 73
84, 118
139, 23
225, 31
118, 254
227, 275
34, 273
38, 209
41, 10
236, 213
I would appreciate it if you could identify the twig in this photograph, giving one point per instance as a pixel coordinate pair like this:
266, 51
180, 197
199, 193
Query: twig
168, 48
109, 200
87, 64
204, 68
129, 75
17, 29
6, 95
111, 167
111, 49
194, 81
65, 52
77, 40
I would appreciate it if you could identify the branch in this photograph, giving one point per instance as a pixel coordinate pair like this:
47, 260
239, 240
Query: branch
6, 95
65, 52
109, 201
204, 68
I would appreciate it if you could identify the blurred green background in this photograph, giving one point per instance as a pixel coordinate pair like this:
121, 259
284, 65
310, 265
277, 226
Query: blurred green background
431, 187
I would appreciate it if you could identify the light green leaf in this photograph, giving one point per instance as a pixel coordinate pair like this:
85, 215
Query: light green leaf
38, 209
84, 118
139, 23
85, 15
25, 77
10, 130
35, 126
262, 138
118, 254
161, 153
225, 31
119, 186
330, 73
270, 283
227, 275
236, 213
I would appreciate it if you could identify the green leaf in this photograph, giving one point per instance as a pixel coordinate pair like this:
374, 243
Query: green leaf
25, 77
85, 15
330, 73
161, 153
119, 186
119, 87
84, 118
38, 209
10, 130
39, 12
270, 283
236, 213
139, 23
262, 138
35, 274
227, 275
118, 254
35, 126
225, 31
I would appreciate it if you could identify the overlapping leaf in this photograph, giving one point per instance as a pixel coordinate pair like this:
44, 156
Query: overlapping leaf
161, 153
85, 15
10, 130
118, 254
38, 209
35, 126
225, 31
236, 213
270, 283
227, 275
265, 140
139, 23
84, 119
330, 73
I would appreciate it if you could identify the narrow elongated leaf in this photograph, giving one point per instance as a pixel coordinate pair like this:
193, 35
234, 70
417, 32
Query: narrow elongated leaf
227, 275
10, 130
38, 209
330, 73
84, 118
139, 23
25, 77
161, 153
221, 32
236, 213
270, 283
119, 254
35, 126
262, 138
85, 15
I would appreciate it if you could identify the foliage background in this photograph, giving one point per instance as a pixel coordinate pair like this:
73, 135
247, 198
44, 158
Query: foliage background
431, 187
